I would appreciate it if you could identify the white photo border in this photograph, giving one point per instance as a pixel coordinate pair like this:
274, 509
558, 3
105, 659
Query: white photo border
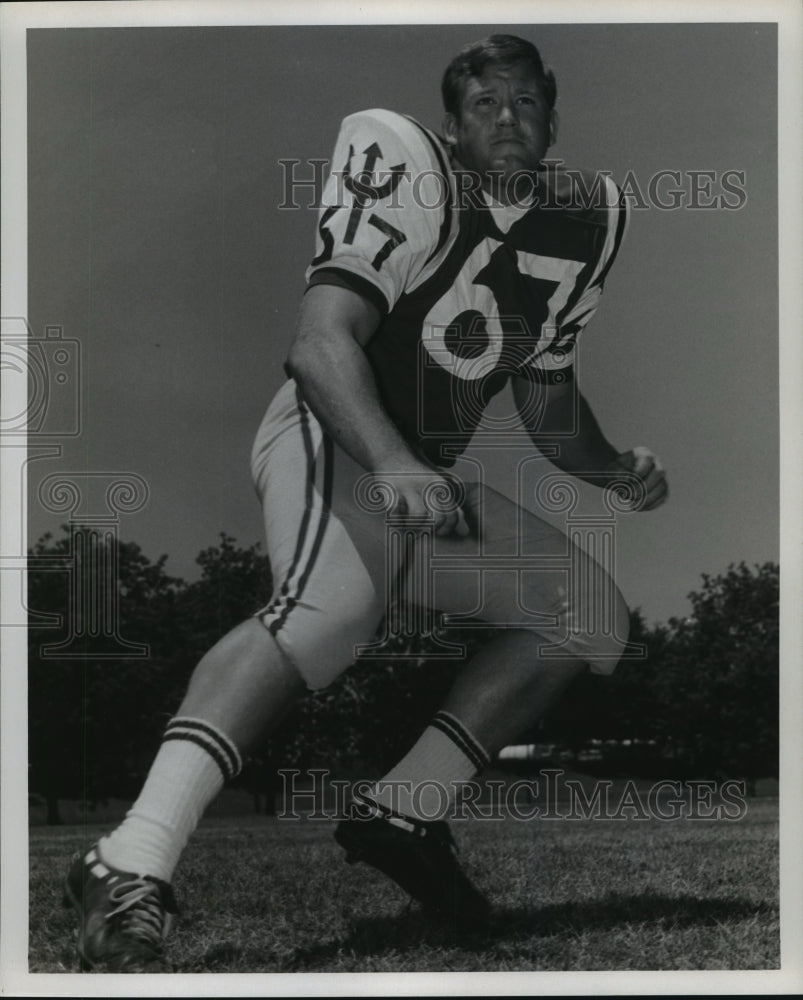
16, 19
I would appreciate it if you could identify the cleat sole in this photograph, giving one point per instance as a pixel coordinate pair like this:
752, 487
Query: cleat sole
423, 866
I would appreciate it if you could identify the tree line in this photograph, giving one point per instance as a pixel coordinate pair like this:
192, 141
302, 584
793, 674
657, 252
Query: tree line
702, 702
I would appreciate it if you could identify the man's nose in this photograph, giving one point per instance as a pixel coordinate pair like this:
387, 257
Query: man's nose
507, 114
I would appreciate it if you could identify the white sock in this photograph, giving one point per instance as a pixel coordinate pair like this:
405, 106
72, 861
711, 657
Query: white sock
425, 782
193, 762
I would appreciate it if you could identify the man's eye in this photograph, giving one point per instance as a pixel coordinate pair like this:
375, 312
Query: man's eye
524, 99
485, 100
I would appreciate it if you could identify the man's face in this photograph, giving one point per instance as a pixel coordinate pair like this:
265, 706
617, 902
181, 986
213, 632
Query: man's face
504, 126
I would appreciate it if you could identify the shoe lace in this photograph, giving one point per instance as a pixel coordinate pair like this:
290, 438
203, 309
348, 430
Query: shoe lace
139, 910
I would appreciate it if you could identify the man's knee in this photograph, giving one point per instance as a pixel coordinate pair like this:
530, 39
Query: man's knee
590, 622
602, 639
320, 652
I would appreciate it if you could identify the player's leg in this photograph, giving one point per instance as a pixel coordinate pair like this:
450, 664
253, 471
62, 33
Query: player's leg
545, 639
513, 681
121, 887
323, 604
500, 694
508, 686
504, 688
242, 686
245, 685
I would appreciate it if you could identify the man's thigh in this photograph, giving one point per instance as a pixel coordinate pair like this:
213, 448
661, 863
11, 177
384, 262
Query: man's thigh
324, 603
516, 570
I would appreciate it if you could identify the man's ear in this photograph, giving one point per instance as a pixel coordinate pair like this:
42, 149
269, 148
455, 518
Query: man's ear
450, 128
553, 127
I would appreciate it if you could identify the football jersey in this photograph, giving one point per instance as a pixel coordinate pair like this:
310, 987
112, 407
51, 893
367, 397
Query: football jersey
470, 291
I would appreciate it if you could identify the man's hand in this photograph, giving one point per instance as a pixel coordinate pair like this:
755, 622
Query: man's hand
421, 492
642, 463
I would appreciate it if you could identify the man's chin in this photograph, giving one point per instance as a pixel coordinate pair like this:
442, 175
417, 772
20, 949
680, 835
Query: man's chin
511, 159
511, 183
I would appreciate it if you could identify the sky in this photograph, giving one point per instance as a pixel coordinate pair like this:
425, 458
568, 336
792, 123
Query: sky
156, 242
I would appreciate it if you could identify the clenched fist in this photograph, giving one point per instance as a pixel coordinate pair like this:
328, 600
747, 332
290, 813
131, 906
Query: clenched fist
641, 462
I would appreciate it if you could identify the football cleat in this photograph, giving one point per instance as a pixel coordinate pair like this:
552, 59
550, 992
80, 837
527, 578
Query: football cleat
420, 858
123, 918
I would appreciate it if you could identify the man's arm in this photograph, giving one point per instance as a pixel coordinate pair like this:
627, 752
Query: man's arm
549, 411
328, 361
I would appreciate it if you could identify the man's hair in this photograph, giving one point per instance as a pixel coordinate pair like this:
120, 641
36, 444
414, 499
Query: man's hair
496, 50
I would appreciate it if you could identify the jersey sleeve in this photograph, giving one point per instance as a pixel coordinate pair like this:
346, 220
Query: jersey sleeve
382, 207
556, 361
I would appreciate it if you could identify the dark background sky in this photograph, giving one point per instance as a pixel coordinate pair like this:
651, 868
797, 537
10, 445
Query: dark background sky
155, 239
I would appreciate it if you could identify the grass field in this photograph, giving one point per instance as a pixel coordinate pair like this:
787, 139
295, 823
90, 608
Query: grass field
266, 895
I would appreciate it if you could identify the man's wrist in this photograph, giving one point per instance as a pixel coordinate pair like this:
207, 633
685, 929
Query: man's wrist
592, 465
394, 459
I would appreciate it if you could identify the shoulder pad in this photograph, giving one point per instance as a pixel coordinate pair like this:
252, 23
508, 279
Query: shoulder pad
401, 142
590, 193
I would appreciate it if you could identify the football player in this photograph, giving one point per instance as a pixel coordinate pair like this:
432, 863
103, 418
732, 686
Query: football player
445, 269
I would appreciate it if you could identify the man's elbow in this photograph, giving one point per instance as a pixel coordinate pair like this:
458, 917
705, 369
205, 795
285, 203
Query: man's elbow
292, 364
298, 361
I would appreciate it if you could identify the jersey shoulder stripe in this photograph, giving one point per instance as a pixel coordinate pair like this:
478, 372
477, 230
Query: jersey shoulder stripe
600, 203
618, 221
612, 212
449, 198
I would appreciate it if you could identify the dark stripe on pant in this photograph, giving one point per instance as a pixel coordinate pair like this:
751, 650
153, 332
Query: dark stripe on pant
308, 490
328, 476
